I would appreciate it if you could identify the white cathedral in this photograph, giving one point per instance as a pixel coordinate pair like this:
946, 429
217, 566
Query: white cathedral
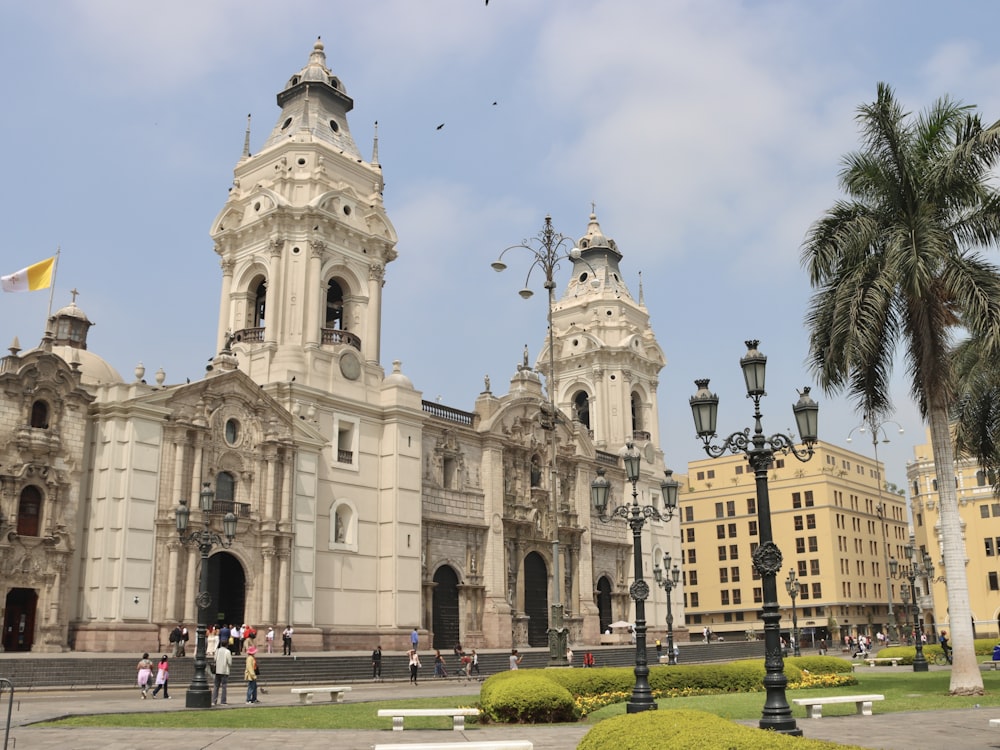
362, 510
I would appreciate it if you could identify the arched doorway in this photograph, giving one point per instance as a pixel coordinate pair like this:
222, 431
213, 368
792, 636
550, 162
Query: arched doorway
227, 586
444, 608
604, 602
19, 619
536, 599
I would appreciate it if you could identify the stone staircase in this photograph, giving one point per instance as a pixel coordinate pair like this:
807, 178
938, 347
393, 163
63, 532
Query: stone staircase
100, 671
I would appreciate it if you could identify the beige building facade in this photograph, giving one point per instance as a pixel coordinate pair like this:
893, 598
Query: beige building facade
835, 524
362, 510
979, 509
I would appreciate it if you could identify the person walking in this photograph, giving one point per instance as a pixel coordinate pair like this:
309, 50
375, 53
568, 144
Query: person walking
144, 671
515, 658
377, 663
414, 665
286, 641
223, 665
251, 670
162, 678
414, 639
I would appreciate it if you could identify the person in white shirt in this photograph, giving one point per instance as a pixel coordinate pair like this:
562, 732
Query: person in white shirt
223, 664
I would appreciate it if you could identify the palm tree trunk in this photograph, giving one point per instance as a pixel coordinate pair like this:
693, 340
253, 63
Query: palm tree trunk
966, 678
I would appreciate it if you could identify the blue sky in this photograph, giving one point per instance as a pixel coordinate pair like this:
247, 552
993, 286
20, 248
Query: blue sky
708, 134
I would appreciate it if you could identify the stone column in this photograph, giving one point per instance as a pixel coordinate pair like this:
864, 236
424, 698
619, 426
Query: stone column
190, 586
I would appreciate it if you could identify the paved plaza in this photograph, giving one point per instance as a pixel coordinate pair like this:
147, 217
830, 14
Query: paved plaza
962, 729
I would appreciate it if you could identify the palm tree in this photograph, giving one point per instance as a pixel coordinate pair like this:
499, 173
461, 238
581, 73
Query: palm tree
977, 413
893, 269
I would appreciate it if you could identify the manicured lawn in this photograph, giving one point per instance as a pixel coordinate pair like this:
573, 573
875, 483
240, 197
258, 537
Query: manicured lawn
318, 716
903, 691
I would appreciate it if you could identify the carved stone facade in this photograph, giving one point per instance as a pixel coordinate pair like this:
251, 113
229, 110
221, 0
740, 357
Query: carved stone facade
362, 510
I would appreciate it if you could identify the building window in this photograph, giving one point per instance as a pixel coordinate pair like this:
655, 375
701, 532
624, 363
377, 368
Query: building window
980, 478
798, 523
718, 510
689, 514
692, 557
804, 594
802, 569
814, 567
813, 544
811, 521
225, 488
758, 594
751, 505
232, 431
689, 534
817, 590
725, 597
29, 510
989, 546
40, 415
739, 468
720, 531
796, 500
752, 528
800, 544
737, 596
732, 531
700, 476
994, 583
984, 511
734, 552
723, 575
734, 574
693, 578
730, 508
722, 552
809, 498
694, 598
996, 509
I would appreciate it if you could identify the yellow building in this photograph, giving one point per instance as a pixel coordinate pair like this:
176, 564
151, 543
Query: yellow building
980, 512
826, 521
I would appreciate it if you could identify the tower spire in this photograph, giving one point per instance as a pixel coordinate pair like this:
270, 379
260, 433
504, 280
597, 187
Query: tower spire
642, 297
246, 140
375, 147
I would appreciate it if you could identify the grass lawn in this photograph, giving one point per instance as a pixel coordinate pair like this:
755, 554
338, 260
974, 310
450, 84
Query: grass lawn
317, 716
903, 691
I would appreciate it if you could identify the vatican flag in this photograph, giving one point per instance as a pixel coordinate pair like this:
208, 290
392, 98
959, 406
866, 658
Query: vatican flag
30, 279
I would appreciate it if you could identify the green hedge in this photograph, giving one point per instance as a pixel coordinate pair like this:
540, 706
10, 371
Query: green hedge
527, 699
691, 730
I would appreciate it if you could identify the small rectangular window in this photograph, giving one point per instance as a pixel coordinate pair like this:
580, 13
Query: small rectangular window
720, 531
751, 505
722, 552
694, 598
984, 511
725, 597
689, 534
989, 546
800, 544
737, 596
692, 556
723, 575
752, 528
732, 531
734, 574
730, 507
734, 552
813, 544
693, 578
994, 582
817, 591
811, 521
718, 510
814, 567
689, 514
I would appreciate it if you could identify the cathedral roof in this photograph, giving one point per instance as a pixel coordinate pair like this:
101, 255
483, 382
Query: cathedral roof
314, 106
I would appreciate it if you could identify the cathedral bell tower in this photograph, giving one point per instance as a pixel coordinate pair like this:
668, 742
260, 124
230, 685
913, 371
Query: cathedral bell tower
607, 360
303, 241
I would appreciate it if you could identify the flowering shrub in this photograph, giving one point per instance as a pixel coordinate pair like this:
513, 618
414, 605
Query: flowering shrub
810, 680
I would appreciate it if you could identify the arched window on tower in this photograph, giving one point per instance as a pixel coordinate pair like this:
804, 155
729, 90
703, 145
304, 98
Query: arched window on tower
581, 408
637, 427
259, 303
334, 306
29, 511
40, 415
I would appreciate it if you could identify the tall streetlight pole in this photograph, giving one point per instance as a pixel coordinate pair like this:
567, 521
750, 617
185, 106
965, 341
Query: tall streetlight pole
668, 578
199, 694
792, 586
760, 450
910, 572
549, 248
877, 429
636, 515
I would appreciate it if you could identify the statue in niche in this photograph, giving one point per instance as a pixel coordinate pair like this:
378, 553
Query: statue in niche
339, 532
536, 472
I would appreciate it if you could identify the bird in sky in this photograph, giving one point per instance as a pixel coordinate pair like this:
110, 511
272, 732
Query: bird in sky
439, 126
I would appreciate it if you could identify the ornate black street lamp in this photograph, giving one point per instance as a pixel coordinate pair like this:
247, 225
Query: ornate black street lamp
636, 515
910, 573
792, 586
760, 450
199, 694
548, 249
668, 580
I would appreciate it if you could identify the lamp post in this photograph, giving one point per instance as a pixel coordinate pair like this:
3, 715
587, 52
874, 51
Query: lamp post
668, 578
199, 694
636, 515
760, 450
877, 429
792, 586
548, 249
909, 573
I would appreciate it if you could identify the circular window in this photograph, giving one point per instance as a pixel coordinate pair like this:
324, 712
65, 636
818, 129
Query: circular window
232, 431
347, 210
608, 313
301, 162
256, 206
583, 277
286, 123
334, 126
295, 251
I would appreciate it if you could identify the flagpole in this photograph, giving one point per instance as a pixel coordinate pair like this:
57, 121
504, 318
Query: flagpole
52, 288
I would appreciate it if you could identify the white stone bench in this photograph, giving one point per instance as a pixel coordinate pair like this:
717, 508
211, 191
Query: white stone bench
994, 723
989, 665
457, 714
494, 745
814, 706
336, 692
873, 661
